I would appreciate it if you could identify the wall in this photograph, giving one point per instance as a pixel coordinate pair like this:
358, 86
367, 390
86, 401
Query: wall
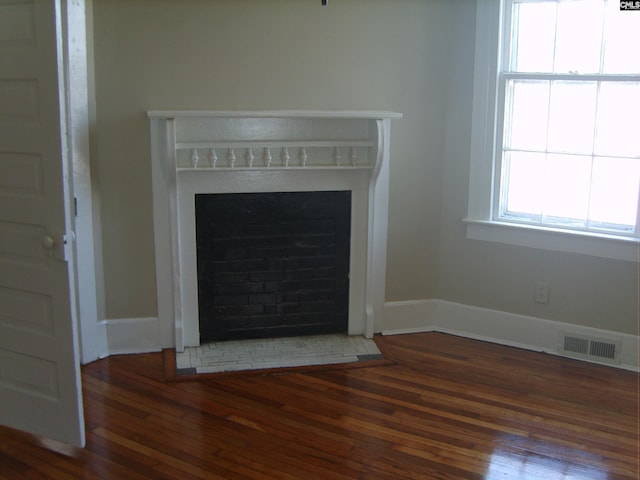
584, 290
410, 56
257, 54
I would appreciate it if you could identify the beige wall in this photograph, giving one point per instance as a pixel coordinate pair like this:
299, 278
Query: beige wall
266, 54
584, 290
410, 56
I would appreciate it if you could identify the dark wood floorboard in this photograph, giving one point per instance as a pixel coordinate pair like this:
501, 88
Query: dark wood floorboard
448, 408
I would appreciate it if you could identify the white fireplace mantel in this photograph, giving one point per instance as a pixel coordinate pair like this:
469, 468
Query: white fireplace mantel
197, 152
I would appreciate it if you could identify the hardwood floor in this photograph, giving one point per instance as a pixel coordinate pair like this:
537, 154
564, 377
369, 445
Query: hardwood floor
449, 408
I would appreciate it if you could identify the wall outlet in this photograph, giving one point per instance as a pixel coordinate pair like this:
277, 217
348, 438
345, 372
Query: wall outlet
541, 294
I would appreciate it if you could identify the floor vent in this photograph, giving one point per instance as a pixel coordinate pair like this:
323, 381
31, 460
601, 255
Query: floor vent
590, 348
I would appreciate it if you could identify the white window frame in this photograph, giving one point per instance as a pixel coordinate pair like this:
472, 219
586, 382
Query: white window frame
480, 220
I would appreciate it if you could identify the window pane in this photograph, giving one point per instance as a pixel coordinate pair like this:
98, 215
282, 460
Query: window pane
572, 110
566, 190
618, 123
533, 33
526, 118
579, 36
571, 145
524, 172
614, 193
621, 40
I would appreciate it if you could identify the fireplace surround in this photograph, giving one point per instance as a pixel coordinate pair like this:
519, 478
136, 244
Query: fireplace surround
212, 152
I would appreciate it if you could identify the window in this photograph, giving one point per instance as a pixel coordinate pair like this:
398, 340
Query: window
556, 134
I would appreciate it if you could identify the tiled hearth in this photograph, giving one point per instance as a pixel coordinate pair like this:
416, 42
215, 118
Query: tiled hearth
240, 355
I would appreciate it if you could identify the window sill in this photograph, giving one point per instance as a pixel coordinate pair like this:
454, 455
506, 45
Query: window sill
606, 246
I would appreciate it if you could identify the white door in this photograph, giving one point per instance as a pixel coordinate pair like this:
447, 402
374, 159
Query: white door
39, 368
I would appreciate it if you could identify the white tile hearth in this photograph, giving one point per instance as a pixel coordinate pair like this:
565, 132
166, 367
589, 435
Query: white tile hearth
238, 355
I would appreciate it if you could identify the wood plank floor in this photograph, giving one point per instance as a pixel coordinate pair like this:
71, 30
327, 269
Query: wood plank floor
449, 408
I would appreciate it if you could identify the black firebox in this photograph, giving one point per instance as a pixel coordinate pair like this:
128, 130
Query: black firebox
272, 264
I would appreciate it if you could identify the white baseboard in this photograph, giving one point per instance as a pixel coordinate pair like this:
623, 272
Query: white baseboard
504, 328
133, 335
411, 316
93, 340
140, 335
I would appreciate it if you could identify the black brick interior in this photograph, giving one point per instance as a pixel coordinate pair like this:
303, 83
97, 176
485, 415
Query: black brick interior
272, 264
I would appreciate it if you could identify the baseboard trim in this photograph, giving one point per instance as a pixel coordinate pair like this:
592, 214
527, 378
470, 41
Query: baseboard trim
495, 326
141, 335
133, 335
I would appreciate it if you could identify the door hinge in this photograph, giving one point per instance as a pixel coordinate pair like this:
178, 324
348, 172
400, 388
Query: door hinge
75, 206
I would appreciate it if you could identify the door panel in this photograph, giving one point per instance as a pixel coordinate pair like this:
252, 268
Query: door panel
39, 368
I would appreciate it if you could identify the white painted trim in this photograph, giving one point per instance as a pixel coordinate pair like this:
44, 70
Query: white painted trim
606, 246
495, 326
409, 316
139, 335
133, 335
174, 190
483, 115
93, 338
359, 114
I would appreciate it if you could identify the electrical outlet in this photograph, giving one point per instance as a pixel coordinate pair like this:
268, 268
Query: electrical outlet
541, 294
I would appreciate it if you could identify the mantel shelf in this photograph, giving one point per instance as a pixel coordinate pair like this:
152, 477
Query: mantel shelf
324, 114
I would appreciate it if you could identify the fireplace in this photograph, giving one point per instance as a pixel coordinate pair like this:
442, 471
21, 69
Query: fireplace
197, 153
272, 264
